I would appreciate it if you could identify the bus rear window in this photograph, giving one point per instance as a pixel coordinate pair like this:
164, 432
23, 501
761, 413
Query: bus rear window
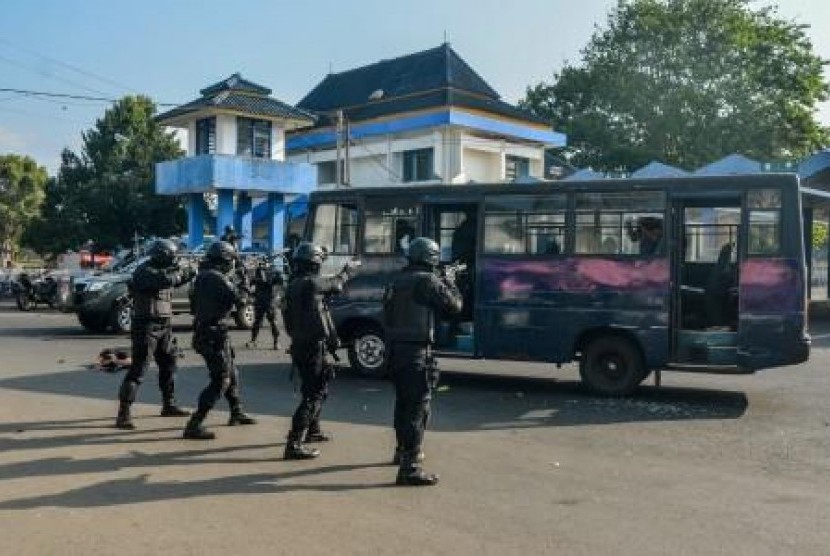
335, 228
525, 225
764, 207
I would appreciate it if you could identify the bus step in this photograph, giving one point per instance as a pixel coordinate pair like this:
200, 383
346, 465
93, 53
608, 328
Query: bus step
711, 338
464, 343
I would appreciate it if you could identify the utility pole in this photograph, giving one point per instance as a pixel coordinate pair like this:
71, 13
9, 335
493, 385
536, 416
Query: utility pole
348, 164
338, 170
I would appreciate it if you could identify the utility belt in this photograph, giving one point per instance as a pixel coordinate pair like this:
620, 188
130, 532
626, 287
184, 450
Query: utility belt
209, 338
433, 373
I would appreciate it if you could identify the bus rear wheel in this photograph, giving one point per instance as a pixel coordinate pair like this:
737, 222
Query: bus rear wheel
612, 366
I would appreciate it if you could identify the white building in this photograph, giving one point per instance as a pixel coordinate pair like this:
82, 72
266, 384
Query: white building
423, 118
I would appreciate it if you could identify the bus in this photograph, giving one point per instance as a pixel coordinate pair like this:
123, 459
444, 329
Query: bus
624, 277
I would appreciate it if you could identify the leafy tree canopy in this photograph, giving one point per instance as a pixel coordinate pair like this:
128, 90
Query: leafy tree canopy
106, 193
687, 82
22, 184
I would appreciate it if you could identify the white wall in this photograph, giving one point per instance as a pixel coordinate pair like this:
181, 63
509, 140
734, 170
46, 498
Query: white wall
459, 157
225, 134
482, 166
277, 141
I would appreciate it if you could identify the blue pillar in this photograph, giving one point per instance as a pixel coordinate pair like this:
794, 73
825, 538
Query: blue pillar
195, 220
224, 211
276, 221
244, 219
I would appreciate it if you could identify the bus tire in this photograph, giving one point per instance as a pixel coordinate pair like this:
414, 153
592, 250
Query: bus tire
367, 351
612, 366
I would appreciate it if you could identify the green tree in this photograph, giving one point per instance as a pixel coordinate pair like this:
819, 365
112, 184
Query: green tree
107, 193
819, 235
22, 184
687, 82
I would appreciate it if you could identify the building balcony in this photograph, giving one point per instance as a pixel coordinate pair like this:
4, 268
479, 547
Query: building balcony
207, 172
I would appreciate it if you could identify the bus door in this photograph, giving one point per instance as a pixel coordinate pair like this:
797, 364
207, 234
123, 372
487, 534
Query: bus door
454, 226
706, 233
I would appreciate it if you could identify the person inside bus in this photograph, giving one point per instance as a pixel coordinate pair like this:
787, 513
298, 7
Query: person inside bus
651, 235
464, 250
404, 234
609, 246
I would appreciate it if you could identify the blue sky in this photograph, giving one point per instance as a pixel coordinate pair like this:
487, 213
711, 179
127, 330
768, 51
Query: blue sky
171, 49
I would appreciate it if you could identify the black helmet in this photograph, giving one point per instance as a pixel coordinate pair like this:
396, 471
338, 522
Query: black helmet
221, 252
307, 252
423, 250
162, 253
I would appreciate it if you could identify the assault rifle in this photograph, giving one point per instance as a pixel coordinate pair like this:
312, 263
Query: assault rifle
450, 271
331, 339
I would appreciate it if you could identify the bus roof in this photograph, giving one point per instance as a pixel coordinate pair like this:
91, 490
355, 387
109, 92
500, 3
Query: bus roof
460, 192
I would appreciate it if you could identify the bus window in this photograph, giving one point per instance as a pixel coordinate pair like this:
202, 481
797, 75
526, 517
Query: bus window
708, 230
335, 228
525, 225
764, 207
389, 226
612, 223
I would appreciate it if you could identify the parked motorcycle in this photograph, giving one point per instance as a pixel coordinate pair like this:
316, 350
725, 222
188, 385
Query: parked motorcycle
32, 292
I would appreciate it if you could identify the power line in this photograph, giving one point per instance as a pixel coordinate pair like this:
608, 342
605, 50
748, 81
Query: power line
55, 77
69, 66
67, 95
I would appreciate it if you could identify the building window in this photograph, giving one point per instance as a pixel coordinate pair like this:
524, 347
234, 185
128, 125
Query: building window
327, 171
417, 165
516, 167
206, 136
253, 138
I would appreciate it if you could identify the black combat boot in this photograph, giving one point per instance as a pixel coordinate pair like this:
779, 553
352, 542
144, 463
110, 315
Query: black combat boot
170, 409
124, 420
239, 417
410, 474
294, 448
314, 434
195, 430
396, 459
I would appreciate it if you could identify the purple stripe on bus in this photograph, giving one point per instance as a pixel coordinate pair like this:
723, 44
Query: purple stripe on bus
770, 286
505, 279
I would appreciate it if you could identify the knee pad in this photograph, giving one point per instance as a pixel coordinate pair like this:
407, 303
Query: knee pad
224, 383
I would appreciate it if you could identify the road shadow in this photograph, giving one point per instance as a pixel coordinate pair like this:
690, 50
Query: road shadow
137, 490
466, 401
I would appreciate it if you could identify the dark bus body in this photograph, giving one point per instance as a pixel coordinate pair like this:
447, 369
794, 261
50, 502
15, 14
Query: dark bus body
625, 276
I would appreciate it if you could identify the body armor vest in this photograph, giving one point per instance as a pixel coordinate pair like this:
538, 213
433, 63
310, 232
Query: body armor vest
406, 320
213, 297
305, 314
150, 303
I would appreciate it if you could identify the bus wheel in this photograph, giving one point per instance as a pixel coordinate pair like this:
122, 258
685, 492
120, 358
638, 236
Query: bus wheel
611, 366
367, 352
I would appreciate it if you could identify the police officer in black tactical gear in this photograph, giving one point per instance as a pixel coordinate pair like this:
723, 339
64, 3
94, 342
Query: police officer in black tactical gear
308, 322
152, 286
268, 286
214, 297
411, 305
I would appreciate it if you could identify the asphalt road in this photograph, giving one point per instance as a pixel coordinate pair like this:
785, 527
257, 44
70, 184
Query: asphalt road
529, 463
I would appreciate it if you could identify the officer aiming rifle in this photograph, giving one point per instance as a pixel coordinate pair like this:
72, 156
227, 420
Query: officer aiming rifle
313, 337
412, 303
151, 288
